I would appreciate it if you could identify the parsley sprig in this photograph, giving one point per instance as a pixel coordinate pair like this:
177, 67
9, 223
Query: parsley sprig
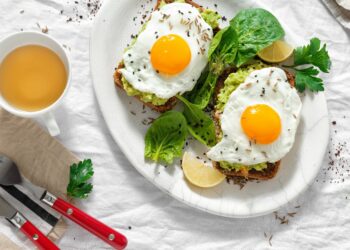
309, 60
80, 174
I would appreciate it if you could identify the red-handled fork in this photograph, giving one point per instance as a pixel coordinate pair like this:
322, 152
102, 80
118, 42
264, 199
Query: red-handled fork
94, 226
25, 226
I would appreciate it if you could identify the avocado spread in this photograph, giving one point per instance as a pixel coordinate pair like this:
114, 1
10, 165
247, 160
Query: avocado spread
230, 84
233, 81
211, 17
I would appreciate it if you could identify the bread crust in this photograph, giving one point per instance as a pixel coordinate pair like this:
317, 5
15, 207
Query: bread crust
170, 104
272, 168
162, 108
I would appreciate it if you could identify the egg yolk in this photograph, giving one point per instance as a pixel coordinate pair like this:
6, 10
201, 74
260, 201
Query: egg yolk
261, 123
170, 54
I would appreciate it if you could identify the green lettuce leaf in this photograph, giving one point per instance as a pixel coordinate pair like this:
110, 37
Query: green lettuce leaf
256, 29
200, 125
166, 137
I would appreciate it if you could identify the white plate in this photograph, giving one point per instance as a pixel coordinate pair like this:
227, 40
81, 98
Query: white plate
110, 35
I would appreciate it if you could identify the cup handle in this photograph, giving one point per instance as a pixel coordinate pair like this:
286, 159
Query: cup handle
51, 124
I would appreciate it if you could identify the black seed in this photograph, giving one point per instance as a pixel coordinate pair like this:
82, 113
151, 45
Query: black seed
237, 149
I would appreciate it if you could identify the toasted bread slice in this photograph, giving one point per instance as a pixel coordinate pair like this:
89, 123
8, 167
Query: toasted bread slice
172, 101
162, 108
253, 174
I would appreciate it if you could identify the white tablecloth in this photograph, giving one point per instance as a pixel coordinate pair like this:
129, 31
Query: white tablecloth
123, 199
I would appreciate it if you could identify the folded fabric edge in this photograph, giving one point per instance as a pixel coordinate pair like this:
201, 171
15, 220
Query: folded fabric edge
342, 15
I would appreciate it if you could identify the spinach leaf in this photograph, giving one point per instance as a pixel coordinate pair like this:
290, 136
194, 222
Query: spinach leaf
216, 42
200, 125
256, 29
202, 92
223, 51
166, 137
249, 32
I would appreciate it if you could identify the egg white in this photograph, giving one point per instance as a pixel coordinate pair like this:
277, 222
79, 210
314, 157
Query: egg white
267, 86
138, 69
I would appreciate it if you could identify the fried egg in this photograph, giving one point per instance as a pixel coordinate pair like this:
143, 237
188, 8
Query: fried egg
170, 53
259, 121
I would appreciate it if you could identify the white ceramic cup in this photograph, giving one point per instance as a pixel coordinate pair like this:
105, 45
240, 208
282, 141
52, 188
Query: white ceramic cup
16, 40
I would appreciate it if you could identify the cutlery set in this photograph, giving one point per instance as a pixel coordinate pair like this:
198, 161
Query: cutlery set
9, 176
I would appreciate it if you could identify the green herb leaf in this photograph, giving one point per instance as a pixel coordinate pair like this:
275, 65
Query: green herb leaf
256, 29
223, 50
306, 78
166, 137
313, 54
249, 32
204, 89
215, 42
200, 125
79, 175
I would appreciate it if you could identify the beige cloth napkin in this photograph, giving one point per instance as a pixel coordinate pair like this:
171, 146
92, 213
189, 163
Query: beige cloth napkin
40, 158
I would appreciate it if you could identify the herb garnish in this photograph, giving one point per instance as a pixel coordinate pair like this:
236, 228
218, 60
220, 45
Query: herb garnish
80, 173
311, 54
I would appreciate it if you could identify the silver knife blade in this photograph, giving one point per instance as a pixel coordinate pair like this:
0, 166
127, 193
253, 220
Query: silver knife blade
36, 190
6, 210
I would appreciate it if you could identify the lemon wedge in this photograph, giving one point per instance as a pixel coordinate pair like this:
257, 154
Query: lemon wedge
199, 174
277, 52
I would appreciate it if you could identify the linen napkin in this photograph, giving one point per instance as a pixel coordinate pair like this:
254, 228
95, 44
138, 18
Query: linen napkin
340, 10
43, 161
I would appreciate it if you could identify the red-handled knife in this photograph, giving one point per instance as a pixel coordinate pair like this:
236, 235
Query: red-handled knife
25, 226
104, 232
